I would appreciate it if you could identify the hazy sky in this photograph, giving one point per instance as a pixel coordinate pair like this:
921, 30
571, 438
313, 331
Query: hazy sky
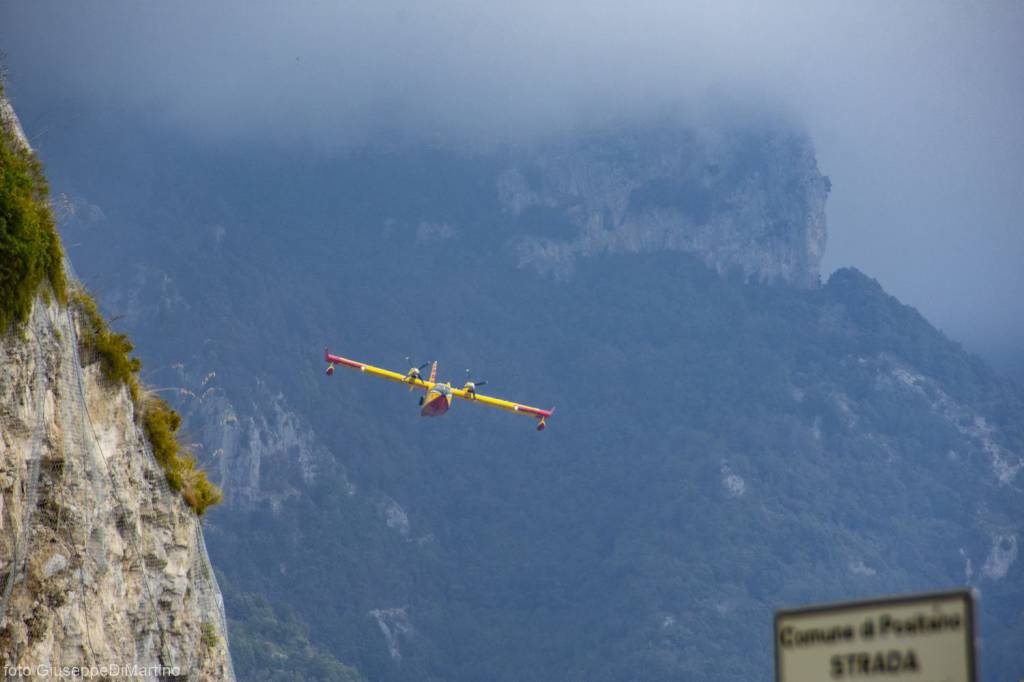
916, 108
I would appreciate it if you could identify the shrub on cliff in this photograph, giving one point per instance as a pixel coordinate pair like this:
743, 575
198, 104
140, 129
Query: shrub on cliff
112, 348
159, 421
30, 250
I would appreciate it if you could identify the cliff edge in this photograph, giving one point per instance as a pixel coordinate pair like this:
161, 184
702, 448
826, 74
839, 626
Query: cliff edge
103, 567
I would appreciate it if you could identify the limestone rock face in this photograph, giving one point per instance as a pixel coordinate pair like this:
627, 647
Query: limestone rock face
753, 201
101, 564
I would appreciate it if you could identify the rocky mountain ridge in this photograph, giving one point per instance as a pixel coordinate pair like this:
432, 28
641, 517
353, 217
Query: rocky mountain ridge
754, 202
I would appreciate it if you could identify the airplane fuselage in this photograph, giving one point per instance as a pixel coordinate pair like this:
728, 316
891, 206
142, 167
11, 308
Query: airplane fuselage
437, 401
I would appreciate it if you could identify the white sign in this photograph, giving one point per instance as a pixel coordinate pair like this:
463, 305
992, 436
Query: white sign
920, 638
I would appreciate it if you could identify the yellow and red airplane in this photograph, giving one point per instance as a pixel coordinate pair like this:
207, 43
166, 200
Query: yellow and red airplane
439, 395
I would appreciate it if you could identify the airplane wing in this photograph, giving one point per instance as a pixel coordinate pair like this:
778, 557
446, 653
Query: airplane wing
503, 404
376, 371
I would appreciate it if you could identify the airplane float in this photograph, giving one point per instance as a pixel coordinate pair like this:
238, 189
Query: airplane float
438, 395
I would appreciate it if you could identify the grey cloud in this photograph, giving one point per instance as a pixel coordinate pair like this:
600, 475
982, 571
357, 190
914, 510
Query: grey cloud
915, 107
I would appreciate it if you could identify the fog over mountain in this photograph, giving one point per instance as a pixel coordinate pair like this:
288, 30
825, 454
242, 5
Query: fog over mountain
915, 108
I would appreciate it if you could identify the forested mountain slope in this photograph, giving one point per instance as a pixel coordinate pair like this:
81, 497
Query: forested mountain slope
731, 436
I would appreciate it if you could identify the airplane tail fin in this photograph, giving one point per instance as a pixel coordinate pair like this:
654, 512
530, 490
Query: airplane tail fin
433, 372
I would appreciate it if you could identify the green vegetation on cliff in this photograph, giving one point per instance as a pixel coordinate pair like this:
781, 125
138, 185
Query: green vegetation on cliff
112, 348
159, 421
30, 250
31, 253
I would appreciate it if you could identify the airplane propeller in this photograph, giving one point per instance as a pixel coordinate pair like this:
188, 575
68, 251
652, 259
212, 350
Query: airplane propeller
414, 373
408, 361
471, 385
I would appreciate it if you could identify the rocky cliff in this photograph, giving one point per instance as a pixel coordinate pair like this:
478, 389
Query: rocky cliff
753, 201
102, 567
